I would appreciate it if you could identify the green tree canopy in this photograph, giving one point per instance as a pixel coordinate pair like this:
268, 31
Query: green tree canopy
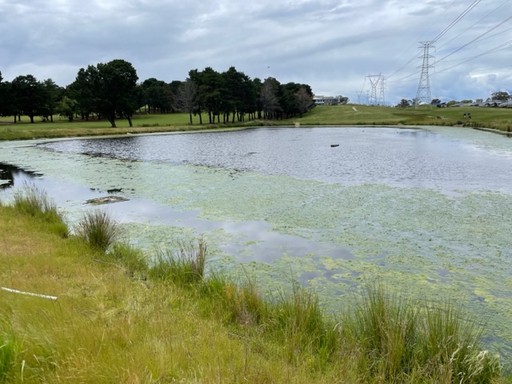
28, 96
116, 90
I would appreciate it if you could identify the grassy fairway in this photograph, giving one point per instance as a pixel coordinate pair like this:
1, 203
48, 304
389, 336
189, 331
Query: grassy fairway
494, 118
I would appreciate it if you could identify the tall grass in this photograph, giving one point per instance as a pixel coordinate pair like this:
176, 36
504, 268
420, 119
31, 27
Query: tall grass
183, 264
129, 257
299, 321
8, 354
98, 229
32, 201
394, 340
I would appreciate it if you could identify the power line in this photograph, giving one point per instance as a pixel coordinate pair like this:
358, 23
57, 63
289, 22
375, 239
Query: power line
500, 47
475, 39
473, 25
454, 22
442, 33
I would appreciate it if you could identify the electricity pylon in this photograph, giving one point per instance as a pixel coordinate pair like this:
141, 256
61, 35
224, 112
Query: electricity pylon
423, 94
376, 81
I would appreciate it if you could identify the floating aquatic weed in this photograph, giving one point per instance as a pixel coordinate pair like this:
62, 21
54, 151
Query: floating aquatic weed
423, 241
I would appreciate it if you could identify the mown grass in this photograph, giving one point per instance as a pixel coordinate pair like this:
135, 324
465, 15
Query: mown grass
493, 118
119, 318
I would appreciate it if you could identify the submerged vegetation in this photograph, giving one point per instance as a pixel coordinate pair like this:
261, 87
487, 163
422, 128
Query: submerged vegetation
121, 316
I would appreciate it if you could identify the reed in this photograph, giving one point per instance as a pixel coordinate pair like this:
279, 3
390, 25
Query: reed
97, 229
397, 340
184, 263
32, 201
301, 324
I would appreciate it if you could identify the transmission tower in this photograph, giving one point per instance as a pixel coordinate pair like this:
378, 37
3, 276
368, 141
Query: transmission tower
376, 82
381, 91
423, 94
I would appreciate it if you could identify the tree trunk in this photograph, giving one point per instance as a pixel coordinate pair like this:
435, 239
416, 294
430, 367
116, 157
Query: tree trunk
112, 119
190, 117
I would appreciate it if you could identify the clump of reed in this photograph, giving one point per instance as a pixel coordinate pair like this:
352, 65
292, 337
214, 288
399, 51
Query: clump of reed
183, 264
32, 201
390, 339
98, 229
299, 321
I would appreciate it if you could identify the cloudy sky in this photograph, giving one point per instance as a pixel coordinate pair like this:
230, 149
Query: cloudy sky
339, 47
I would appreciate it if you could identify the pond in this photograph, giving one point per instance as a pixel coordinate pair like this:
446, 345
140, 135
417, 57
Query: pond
425, 211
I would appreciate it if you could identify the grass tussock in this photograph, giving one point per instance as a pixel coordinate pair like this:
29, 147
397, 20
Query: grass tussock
32, 201
395, 341
98, 229
183, 264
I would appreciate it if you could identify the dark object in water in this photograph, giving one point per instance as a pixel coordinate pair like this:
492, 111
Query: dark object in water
335, 145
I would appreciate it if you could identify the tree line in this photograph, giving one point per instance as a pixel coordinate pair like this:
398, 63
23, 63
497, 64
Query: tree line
111, 91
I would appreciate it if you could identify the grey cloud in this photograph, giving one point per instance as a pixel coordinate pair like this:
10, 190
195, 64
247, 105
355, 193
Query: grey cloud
330, 44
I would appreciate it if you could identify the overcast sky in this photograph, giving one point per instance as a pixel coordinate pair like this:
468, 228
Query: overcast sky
332, 45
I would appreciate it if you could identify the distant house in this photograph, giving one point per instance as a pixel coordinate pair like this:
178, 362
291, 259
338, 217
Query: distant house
330, 100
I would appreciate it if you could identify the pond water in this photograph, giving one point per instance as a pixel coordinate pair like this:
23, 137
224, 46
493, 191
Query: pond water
426, 211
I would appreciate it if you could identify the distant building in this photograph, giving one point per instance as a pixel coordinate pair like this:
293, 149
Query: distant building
330, 100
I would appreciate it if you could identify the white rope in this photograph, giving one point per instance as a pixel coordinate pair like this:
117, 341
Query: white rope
28, 293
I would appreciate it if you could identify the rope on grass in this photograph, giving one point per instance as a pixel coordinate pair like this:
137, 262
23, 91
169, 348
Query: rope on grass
28, 293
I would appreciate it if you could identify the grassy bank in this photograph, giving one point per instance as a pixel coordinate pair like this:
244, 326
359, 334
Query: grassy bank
119, 319
494, 118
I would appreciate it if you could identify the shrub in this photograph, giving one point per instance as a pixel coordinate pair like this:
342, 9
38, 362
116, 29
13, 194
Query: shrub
97, 229
184, 264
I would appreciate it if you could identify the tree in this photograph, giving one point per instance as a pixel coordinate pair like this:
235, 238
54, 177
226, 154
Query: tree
52, 94
84, 91
116, 89
157, 95
209, 97
186, 98
269, 98
67, 107
500, 96
304, 99
28, 95
404, 103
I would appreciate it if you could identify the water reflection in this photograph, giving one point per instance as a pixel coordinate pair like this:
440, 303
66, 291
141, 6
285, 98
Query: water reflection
11, 175
391, 156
